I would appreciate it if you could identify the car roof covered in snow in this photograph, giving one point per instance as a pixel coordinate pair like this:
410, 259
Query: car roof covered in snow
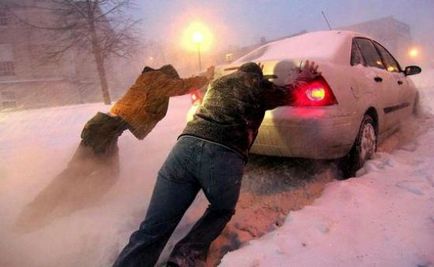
332, 46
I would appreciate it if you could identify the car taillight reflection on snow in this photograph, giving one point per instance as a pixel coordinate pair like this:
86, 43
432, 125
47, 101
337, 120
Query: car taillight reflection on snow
315, 93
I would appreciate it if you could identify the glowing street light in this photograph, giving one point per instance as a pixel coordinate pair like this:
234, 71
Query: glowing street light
413, 52
197, 38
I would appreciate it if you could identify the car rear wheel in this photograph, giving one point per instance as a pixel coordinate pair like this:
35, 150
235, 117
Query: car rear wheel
363, 149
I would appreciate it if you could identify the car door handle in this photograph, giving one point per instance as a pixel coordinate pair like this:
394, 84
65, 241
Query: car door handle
400, 82
378, 79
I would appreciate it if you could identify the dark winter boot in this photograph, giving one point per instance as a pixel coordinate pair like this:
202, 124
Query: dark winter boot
101, 133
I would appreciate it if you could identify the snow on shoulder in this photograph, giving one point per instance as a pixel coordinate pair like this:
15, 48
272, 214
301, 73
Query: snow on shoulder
333, 46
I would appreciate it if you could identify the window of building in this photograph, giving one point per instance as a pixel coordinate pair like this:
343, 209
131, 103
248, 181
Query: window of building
9, 104
7, 65
7, 68
8, 95
4, 17
8, 99
370, 53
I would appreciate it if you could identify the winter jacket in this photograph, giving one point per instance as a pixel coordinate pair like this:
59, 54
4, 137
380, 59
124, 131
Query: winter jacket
233, 109
147, 101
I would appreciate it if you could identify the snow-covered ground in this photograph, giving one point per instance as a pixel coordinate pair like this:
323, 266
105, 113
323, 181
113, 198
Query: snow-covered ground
385, 217
382, 218
35, 146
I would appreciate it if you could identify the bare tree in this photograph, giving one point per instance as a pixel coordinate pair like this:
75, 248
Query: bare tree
96, 26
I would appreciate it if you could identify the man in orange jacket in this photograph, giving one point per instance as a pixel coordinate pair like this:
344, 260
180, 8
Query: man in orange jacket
94, 167
141, 108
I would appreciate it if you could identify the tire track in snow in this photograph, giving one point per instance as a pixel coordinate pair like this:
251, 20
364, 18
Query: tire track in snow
273, 187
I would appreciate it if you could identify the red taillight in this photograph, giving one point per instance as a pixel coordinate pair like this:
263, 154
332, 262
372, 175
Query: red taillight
196, 97
315, 93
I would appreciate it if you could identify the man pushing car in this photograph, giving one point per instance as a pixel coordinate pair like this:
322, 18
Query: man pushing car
94, 166
210, 155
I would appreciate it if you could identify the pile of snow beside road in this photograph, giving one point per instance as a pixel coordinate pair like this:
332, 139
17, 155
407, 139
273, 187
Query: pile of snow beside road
385, 217
425, 84
35, 146
425, 80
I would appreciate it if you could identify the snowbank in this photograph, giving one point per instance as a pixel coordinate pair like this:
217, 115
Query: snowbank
385, 217
425, 82
35, 146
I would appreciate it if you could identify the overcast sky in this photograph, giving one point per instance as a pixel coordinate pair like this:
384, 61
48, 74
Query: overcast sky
243, 22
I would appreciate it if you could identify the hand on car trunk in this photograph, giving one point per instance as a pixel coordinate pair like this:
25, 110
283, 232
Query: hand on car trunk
307, 72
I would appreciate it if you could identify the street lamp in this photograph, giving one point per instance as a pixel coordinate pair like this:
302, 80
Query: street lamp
197, 39
413, 52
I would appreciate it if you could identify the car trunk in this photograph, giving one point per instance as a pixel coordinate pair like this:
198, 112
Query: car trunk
276, 71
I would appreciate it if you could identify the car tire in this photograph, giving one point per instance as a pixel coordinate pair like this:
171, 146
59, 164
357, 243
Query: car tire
363, 149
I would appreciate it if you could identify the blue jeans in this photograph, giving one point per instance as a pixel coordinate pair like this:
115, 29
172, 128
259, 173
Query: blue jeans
193, 164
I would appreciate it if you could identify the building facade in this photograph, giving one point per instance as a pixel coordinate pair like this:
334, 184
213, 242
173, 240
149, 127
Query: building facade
29, 79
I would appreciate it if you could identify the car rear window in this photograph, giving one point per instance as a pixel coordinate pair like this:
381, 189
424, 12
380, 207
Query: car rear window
370, 53
356, 55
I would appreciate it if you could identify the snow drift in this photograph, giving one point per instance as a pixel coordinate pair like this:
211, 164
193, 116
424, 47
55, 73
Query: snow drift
383, 217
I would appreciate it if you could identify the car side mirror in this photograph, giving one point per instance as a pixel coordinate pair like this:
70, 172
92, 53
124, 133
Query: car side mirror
412, 70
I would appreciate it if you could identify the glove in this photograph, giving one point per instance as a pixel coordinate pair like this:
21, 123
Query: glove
307, 73
102, 132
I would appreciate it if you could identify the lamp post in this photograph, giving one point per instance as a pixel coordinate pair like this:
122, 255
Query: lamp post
198, 39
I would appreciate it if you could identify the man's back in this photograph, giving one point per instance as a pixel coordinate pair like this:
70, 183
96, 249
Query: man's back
232, 111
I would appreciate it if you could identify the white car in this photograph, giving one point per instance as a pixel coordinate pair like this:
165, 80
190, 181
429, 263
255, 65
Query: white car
362, 97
